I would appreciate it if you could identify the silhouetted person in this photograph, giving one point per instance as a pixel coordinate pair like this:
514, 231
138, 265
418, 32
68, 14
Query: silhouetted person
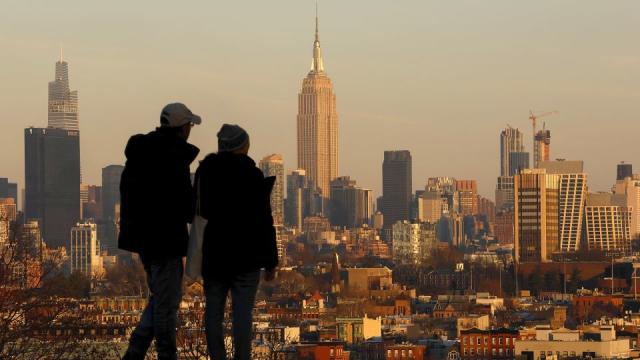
157, 202
239, 238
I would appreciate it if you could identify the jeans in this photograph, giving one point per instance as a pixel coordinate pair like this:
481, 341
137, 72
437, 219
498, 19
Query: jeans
243, 289
160, 317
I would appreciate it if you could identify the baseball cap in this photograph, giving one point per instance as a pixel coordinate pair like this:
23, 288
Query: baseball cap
177, 115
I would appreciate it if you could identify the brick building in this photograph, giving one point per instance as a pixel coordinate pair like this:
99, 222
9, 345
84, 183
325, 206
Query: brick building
488, 344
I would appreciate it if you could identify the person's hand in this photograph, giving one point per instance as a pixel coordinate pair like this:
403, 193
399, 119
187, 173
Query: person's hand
269, 275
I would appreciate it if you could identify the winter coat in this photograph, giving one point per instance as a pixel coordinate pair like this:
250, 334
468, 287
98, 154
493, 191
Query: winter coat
235, 199
157, 198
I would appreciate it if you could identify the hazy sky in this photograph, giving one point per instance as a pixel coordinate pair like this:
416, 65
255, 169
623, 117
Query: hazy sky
439, 78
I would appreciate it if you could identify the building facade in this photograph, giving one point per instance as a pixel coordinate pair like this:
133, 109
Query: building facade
536, 215
629, 187
404, 352
511, 140
518, 161
565, 343
396, 186
413, 242
488, 344
467, 191
357, 330
52, 181
504, 193
85, 256
624, 171
351, 206
8, 190
273, 165
111, 190
432, 206
572, 196
608, 223
294, 203
503, 229
8, 209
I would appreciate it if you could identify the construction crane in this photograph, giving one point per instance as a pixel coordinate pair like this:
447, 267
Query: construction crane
537, 156
534, 117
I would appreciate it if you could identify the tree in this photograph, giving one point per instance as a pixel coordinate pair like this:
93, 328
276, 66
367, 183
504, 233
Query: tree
552, 280
601, 309
34, 322
575, 280
534, 281
125, 280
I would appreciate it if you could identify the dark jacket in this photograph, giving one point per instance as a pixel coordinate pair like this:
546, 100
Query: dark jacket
235, 200
156, 196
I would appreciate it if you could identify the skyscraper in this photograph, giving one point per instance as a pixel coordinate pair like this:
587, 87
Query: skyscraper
536, 215
630, 188
351, 206
317, 124
504, 193
52, 181
92, 207
273, 165
513, 158
518, 161
432, 206
541, 147
467, 191
572, 196
446, 187
396, 187
63, 103
111, 190
624, 171
511, 141
294, 204
8, 190
108, 224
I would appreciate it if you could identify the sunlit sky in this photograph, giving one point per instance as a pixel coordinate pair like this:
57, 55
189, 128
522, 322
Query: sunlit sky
439, 78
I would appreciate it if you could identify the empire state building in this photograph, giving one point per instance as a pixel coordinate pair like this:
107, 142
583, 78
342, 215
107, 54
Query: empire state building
318, 124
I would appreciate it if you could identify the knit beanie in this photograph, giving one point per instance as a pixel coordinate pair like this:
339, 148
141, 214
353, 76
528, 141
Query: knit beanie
231, 138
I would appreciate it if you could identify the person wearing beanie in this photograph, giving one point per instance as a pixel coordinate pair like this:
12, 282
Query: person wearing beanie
239, 239
232, 138
157, 202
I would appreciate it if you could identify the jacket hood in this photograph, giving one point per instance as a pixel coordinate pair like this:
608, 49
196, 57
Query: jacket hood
160, 143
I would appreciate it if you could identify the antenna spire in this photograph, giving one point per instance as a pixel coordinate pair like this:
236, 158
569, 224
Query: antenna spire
317, 65
316, 20
61, 53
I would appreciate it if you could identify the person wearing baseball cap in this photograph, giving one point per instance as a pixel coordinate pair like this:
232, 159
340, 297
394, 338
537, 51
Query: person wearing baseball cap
157, 201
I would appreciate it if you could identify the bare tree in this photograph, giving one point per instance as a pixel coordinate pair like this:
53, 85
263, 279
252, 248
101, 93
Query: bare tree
34, 323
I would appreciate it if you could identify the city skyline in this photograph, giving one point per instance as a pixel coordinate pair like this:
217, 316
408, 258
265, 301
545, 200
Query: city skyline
402, 114
375, 234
